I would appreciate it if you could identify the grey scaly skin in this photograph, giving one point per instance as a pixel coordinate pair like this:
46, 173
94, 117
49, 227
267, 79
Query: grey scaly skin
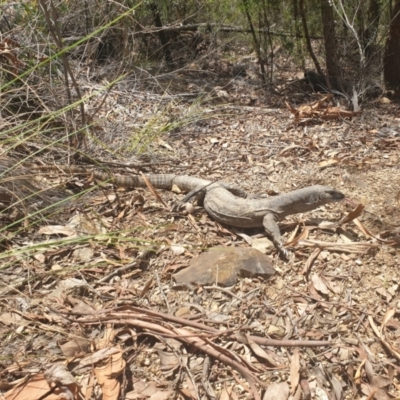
229, 209
229, 204
160, 181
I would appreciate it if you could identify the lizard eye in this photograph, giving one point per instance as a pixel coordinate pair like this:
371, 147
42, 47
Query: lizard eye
313, 199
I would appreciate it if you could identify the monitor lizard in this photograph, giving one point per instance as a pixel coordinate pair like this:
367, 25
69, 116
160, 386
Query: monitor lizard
226, 203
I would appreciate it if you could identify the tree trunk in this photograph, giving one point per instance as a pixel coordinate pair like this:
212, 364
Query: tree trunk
257, 47
392, 53
161, 34
369, 35
307, 36
330, 42
297, 24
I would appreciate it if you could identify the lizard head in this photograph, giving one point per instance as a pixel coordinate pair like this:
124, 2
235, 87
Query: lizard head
320, 195
305, 199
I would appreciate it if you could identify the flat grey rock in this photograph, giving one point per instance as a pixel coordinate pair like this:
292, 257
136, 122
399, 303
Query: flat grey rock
223, 266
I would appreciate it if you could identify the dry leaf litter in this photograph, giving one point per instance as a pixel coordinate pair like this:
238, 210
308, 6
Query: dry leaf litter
103, 318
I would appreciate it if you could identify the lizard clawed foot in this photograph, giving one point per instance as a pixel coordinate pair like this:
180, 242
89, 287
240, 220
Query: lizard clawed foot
286, 254
186, 202
179, 206
187, 206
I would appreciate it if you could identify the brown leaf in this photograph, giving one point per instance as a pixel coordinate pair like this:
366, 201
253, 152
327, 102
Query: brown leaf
305, 386
313, 292
384, 294
74, 347
389, 314
310, 261
303, 236
142, 389
228, 393
169, 362
107, 339
321, 393
259, 352
374, 393
56, 230
380, 381
147, 287
100, 355
369, 369
277, 391
363, 228
90, 386
337, 387
108, 376
162, 395
12, 319
374, 327
34, 389
357, 376
319, 284
328, 163
353, 214
331, 285
352, 248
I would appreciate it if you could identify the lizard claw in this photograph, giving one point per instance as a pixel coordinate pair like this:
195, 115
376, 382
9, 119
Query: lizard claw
177, 206
286, 254
174, 208
188, 207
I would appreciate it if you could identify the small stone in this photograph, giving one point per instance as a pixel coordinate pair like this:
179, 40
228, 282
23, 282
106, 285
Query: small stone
182, 311
84, 254
177, 250
276, 331
189, 208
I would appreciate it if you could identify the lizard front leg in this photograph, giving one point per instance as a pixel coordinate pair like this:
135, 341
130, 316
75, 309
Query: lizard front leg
273, 233
197, 195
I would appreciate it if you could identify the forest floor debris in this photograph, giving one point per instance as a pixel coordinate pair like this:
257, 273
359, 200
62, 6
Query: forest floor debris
326, 324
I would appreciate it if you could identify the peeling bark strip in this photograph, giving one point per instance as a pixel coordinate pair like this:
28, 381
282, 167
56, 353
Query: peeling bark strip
128, 312
157, 323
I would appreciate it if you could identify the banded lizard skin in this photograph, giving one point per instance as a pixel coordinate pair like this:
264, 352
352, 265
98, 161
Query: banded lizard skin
228, 204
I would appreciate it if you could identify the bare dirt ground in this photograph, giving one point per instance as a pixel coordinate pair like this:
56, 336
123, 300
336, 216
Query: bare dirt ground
326, 326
